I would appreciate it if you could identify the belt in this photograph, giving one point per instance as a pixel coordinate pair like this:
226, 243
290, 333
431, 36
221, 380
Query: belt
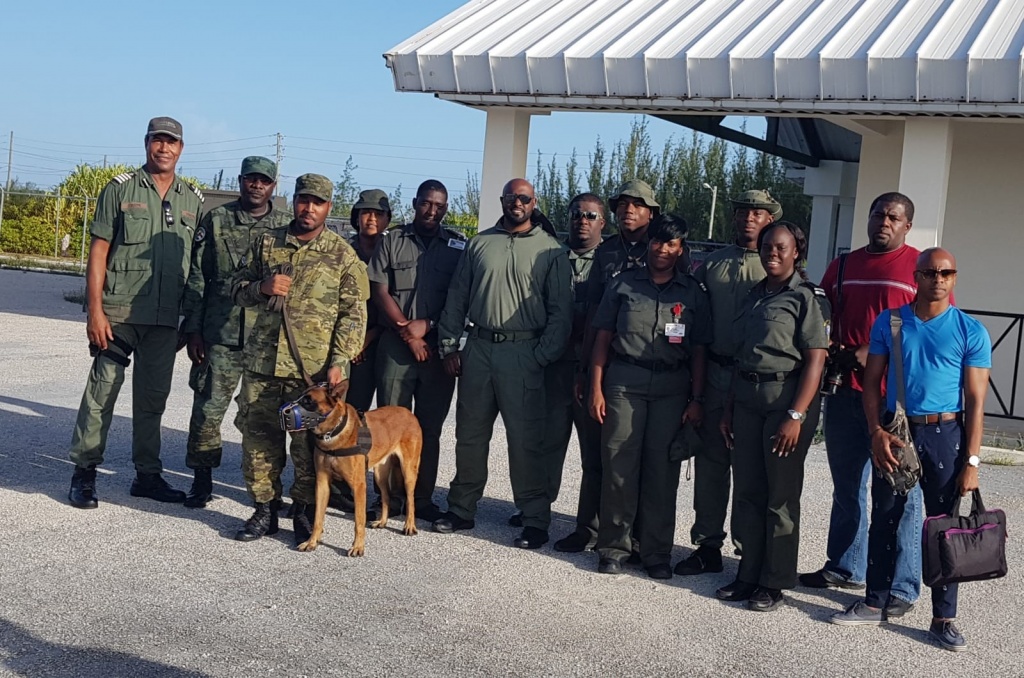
933, 418
501, 337
767, 377
722, 360
652, 365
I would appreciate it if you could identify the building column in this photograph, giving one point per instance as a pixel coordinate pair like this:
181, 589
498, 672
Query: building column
924, 177
833, 187
506, 142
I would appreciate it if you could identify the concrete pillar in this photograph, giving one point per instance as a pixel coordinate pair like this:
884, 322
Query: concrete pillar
924, 176
833, 186
506, 141
881, 156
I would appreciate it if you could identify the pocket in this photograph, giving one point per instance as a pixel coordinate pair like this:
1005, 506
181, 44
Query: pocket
405, 275
136, 229
134, 282
198, 377
636, 321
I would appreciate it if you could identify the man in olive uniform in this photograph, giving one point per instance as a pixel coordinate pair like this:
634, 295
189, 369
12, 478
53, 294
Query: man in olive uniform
138, 261
409, 277
215, 326
729, 274
325, 298
514, 285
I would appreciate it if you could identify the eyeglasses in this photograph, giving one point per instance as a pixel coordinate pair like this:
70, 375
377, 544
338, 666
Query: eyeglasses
258, 179
512, 198
168, 213
933, 273
580, 214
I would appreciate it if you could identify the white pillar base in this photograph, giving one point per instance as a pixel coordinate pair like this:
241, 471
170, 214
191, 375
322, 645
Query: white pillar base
506, 142
924, 177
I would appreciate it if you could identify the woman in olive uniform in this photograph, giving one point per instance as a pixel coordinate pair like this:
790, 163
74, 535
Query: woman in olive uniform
771, 415
647, 380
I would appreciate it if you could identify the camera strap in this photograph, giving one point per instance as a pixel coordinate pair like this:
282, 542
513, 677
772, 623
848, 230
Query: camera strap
838, 310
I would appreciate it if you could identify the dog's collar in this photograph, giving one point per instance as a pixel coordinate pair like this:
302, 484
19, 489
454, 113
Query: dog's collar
328, 437
359, 448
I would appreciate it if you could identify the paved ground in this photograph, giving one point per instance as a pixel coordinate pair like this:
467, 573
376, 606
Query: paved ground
138, 588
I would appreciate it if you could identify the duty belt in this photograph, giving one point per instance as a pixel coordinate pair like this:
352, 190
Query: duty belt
933, 418
722, 360
767, 377
652, 365
501, 337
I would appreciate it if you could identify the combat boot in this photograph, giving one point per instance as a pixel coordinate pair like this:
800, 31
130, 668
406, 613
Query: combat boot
302, 521
262, 522
153, 486
83, 488
201, 492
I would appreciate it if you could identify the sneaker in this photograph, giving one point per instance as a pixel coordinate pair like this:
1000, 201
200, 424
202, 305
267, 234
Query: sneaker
765, 599
823, 579
948, 635
859, 614
897, 607
704, 559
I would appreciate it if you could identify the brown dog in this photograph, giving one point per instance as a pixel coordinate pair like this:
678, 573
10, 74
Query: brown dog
396, 441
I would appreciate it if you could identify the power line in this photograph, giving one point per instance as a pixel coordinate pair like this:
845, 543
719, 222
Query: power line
198, 143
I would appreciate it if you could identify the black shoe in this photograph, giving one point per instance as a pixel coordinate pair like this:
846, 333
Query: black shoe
201, 492
302, 522
576, 542
736, 591
764, 599
531, 538
428, 512
704, 559
262, 522
823, 579
896, 607
516, 519
450, 522
660, 571
609, 566
634, 558
153, 486
83, 488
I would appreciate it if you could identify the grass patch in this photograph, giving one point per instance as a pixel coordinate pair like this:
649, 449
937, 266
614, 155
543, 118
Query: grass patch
21, 261
1000, 461
1005, 441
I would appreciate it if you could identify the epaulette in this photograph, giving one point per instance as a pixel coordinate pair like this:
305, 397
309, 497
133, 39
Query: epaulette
703, 287
199, 194
458, 235
818, 292
121, 178
615, 273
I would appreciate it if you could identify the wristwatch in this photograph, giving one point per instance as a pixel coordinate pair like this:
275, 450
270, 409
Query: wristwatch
974, 460
698, 399
796, 416
431, 324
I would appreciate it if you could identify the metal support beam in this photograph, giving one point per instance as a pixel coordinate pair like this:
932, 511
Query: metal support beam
712, 124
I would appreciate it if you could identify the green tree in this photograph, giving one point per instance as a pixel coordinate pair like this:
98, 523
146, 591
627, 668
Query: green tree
346, 190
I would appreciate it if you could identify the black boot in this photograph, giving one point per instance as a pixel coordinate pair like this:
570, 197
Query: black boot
302, 521
262, 522
83, 488
201, 491
153, 486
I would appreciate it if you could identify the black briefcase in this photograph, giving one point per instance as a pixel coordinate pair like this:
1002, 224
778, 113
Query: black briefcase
964, 548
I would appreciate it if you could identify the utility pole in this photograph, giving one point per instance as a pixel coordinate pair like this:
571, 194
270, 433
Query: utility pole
104, 161
714, 201
278, 157
10, 157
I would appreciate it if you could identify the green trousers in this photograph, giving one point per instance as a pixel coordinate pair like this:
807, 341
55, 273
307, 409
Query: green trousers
213, 382
766, 496
712, 478
152, 354
425, 389
501, 379
263, 441
643, 412
563, 414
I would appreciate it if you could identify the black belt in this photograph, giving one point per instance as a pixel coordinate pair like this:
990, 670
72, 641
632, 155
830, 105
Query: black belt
933, 418
652, 365
722, 360
501, 337
767, 377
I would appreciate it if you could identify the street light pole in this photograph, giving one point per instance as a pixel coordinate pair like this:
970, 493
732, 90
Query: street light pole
714, 201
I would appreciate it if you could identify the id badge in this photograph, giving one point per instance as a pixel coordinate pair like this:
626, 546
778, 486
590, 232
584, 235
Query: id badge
456, 244
675, 332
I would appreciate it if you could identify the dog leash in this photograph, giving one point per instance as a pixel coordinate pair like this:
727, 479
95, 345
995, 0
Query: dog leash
277, 303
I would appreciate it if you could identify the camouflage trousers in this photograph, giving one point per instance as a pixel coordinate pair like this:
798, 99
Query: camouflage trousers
263, 441
213, 382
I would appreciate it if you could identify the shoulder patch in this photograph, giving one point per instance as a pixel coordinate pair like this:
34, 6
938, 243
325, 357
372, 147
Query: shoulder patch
199, 194
121, 178
200, 233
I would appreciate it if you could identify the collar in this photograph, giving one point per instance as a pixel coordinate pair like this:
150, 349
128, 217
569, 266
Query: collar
315, 244
585, 254
794, 282
678, 277
534, 228
145, 180
336, 431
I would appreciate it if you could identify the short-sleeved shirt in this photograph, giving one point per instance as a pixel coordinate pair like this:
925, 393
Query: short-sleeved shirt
935, 353
778, 327
612, 256
580, 263
637, 310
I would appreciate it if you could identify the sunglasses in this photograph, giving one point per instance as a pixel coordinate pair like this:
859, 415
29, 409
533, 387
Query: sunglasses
580, 214
168, 213
258, 179
512, 198
933, 273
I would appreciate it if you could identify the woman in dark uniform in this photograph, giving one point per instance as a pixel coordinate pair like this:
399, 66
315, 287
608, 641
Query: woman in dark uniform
647, 380
771, 415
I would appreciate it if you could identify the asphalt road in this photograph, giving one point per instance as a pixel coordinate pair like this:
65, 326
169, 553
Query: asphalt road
138, 588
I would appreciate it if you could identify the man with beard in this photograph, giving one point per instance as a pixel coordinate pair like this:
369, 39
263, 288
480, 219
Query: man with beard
215, 327
514, 285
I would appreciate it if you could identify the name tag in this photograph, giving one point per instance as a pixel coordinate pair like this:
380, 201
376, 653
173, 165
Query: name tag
675, 332
457, 244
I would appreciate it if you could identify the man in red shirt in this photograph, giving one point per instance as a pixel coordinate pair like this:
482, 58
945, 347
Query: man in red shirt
860, 285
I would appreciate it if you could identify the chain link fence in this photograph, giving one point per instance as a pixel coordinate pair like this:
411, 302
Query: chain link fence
45, 225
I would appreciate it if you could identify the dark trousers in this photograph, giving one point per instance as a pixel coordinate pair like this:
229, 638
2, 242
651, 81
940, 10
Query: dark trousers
712, 478
940, 448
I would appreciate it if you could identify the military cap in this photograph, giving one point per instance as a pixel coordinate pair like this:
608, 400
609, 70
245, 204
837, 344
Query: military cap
758, 200
316, 185
164, 125
257, 164
373, 199
634, 189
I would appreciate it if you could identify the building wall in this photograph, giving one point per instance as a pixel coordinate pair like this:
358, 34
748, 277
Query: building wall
880, 160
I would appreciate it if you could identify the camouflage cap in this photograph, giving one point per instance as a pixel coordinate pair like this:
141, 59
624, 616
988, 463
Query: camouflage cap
257, 164
164, 125
373, 199
316, 185
634, 189
758, 200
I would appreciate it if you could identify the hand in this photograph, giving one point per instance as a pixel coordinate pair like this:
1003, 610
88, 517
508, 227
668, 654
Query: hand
360, 358
862, 355
725, 427
597, 405
968, 480
413, 329
98, 330
334, 379
276, 285
182, 337
693, 414
786, 437
453, 364
196, 348
881, 449
420, 350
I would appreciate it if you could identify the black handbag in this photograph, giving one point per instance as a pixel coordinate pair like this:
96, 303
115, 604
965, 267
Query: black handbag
908, 470
964, 548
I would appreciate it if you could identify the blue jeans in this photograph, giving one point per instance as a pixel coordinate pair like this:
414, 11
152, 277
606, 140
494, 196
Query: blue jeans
849, 459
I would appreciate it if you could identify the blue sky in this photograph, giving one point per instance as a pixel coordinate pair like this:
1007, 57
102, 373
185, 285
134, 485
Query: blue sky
82, 83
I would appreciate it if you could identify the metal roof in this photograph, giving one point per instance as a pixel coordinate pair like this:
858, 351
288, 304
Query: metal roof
770, 56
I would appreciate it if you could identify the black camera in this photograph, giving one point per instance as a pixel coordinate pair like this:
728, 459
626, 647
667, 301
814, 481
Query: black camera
835, 366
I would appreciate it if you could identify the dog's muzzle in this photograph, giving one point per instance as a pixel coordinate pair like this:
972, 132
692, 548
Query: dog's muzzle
300, 415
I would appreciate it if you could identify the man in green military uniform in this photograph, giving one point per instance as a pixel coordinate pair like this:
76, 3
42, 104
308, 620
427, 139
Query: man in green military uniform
409, 277
325, 299
215, 326
514, 285
728, 274
138, 261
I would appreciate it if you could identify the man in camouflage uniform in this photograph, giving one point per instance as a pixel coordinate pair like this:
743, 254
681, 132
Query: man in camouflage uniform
215, 326
325, 298
139, 258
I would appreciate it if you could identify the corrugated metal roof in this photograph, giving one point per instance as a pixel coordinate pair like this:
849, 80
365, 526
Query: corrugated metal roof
718, 54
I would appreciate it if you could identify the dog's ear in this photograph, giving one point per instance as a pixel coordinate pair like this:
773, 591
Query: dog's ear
340, 391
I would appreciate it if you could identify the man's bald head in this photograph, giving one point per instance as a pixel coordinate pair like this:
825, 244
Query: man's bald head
935, 275
517, 203
933, 257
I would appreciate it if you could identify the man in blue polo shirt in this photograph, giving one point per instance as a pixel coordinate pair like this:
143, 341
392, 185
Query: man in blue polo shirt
947, 356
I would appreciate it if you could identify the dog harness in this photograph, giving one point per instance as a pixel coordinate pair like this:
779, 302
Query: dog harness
363, 440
